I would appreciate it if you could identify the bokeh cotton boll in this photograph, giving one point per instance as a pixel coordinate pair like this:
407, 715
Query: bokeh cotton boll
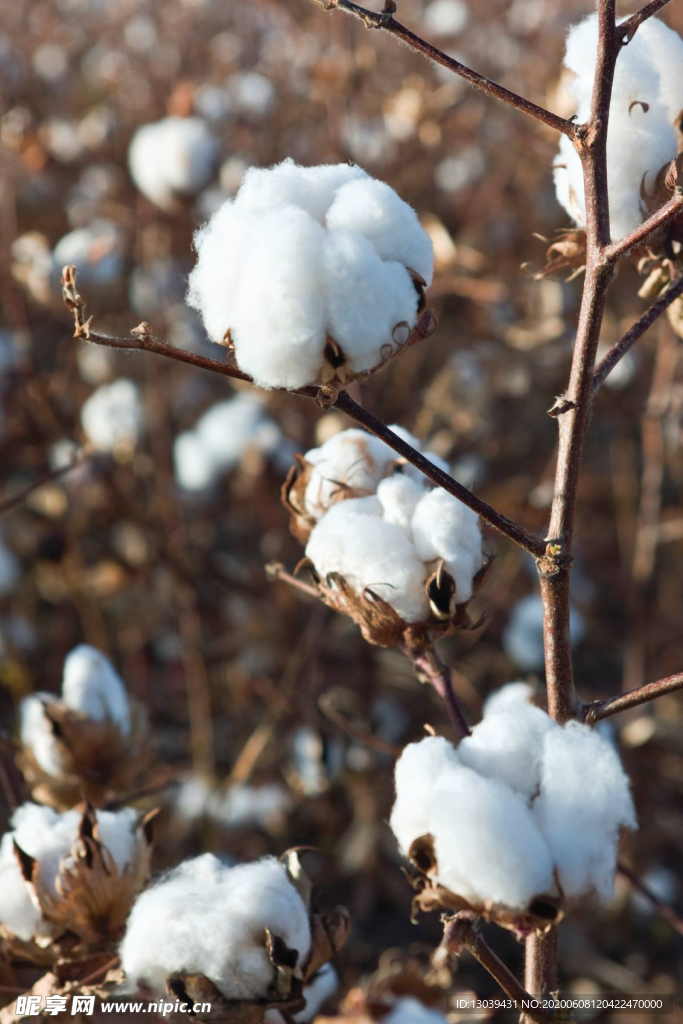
172, 158
647, 98
97, 252
112, 417
308, 273
523, 634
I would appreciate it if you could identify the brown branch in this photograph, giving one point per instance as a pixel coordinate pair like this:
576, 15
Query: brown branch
430, 669
669, 211
628, 28
667, 912
460, 933
142, 340
618, 350
599, 709
277, 571
385, 20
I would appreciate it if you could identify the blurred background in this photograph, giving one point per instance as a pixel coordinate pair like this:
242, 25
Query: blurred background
157, 557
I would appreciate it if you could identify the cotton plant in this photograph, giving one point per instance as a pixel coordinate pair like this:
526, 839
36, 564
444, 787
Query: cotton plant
644, 114
504, 823
311, 274
113, 418
231, 933
75, 873
89, 742
401, 557
172, 159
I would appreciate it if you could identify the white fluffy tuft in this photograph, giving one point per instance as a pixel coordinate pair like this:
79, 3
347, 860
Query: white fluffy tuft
173, 157
92, 686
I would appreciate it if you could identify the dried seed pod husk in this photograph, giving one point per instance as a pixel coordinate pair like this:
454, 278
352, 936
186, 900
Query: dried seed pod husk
565, 254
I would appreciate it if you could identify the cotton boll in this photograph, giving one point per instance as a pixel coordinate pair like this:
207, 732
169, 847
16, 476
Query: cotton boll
581, 821
18, 913
444, 528
399, 495
117, 832
446, 17
371, 554
212, 920
487, 844
523, 635
112, 417
96, 251
666, 49
419, 767
10, 570
508, 744
173, 157
372, 209
366, 298
194, 465
37, 733
287, 184
409, 1010
92, 686
279, 338
508, 696
217, 276
252, 93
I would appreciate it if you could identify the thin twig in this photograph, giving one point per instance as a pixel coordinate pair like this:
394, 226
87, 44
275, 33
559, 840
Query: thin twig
16, 499
599, 709
460, 933
277, 571
619, 350
327, 705
142, 340
430, 669
627, 29
385, 20
667, 912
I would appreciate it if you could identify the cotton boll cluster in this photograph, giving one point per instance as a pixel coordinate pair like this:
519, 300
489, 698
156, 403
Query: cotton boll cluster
507, 814
174, 157
376, 522
221, 438
42, 906
310, 273
89, 741
523, 635
210, 919
112, 417
647, 98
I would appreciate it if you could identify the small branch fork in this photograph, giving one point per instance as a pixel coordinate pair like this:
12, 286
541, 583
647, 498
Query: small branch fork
599, 709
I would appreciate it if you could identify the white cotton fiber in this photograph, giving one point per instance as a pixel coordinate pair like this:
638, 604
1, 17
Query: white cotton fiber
487, 844
508, 696
427, 760
585, 799
646, 99
112, 417
173, 157
220, 439
351, 460
444, 528
92, 686
399, 495
353, 539
48, 837
289, 263
37, 734
210, 919
508, 744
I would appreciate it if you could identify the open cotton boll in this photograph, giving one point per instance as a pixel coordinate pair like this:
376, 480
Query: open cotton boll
508, 745
9, 568
418, 768
212, 922
173, 157
351, 460
37, 733
443, 527
581, 819
91, 685
112, 417
299, 284
370, 553
487, 844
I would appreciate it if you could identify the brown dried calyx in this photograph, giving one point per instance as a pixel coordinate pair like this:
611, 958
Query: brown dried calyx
659, 272
381, 624
544, 911
566, 254
89, 900
97, 762
329, 933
